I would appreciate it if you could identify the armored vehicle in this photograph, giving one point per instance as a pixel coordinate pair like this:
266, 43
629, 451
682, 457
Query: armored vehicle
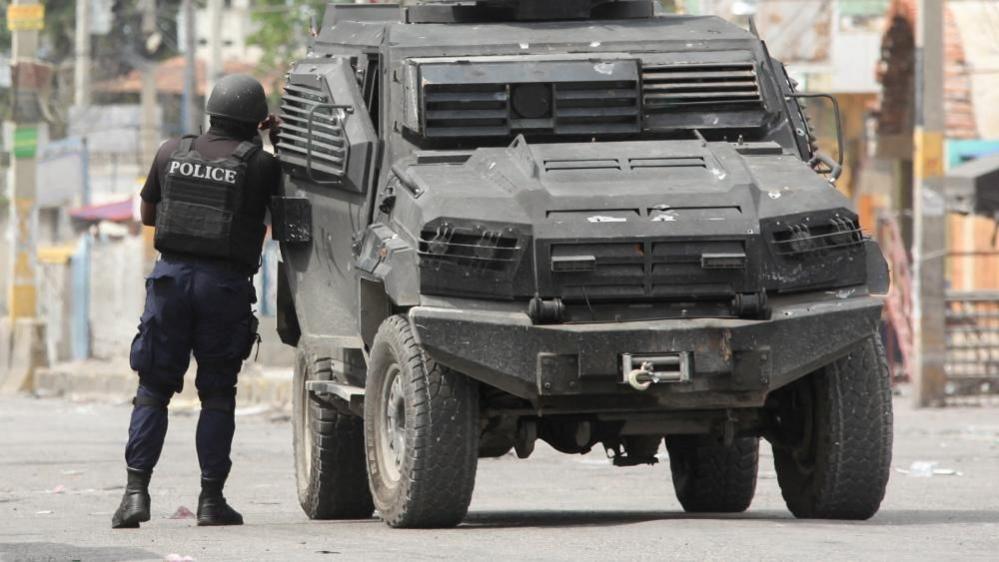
579, 221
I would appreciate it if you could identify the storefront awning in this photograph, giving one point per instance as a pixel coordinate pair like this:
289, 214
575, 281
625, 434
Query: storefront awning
117, 211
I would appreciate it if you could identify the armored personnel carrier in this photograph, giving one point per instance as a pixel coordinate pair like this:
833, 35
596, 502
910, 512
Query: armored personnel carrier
578, 221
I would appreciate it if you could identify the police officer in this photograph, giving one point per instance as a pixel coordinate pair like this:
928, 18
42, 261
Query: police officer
207, 197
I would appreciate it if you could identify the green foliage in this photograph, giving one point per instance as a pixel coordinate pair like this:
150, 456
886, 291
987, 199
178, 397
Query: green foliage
284, 27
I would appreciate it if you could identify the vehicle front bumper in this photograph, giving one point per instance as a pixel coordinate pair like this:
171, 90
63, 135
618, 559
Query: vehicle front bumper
733, 363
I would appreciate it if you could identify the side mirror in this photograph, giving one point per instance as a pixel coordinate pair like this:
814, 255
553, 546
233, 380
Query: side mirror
821, 162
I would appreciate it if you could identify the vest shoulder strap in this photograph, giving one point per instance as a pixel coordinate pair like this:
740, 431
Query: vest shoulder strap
244, 151
186, 144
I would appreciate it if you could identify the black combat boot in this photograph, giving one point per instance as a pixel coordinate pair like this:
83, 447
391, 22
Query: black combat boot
212, 507
134, 508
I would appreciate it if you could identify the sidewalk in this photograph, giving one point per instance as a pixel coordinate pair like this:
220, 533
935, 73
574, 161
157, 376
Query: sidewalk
114, 381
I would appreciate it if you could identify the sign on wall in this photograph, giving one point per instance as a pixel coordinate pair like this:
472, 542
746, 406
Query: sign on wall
26, 17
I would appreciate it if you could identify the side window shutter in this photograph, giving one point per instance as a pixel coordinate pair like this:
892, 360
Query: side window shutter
327, 135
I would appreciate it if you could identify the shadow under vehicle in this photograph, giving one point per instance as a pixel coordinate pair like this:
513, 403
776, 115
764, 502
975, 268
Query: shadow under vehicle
582, 222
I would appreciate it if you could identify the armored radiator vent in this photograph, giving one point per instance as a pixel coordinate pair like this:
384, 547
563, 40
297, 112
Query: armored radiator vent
312, 134
460, 110
596, 107
480, 110
700, 87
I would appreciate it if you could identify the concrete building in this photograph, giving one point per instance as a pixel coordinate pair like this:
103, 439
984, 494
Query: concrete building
237, 26
971, 91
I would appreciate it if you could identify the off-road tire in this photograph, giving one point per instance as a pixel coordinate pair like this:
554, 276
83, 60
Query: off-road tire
709, 477
329, 459
842, 470
440, 432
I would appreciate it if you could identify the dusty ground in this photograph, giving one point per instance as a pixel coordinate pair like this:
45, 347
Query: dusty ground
61, 474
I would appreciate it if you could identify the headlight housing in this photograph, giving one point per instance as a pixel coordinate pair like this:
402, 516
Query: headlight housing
473, 259
817, 250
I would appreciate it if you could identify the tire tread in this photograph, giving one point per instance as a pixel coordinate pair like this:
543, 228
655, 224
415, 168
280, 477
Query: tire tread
444, 456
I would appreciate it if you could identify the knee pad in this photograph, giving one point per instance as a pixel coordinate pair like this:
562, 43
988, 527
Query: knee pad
219, 399
153, 397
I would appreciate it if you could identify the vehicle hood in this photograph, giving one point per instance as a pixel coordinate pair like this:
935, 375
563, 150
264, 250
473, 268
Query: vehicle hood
673, 188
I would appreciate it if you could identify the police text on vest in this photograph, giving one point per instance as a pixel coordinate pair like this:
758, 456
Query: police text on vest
202, 172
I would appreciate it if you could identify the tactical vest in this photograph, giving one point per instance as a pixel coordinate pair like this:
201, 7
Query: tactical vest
202, 211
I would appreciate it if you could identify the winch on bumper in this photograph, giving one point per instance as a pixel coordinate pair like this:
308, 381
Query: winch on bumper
706, 363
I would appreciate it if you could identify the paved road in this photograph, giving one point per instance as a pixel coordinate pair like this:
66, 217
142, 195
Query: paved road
61, 474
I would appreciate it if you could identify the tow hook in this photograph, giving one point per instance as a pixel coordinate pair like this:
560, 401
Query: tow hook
665, 368
642, 377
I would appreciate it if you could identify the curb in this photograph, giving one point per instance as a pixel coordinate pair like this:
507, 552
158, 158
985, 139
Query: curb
115, 382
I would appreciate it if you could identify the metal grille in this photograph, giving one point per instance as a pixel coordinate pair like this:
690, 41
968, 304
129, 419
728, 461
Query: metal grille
481, 110
454, 110
324, 147
700, 87
623, 164
972, 362
596, 107
642, 269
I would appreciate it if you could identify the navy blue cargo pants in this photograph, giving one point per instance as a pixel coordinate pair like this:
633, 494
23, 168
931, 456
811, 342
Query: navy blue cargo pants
195, 306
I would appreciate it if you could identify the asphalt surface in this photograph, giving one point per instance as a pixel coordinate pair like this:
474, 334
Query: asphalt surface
61, 473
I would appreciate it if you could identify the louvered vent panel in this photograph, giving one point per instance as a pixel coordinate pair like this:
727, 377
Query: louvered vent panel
480, 110
325, 143
700, 87
596, 107
462, 110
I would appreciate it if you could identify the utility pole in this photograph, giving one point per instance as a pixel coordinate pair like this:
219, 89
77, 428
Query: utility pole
150, 135
150, 132
23, 348
23, 298
81, 70
214, 67
188, 112
929, 215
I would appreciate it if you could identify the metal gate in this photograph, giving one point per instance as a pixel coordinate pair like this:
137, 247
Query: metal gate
972, 362
972, 319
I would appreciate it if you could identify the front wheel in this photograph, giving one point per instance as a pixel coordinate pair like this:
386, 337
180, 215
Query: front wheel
420, 432
832, 448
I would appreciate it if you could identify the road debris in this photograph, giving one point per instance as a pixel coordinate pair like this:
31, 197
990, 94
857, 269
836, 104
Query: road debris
927, 469
182, 513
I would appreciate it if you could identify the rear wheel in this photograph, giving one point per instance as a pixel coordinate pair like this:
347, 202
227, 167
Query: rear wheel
832, 448
420, 432
329, 455
710, 477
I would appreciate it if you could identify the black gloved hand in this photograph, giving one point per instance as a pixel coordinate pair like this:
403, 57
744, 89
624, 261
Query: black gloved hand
273, 127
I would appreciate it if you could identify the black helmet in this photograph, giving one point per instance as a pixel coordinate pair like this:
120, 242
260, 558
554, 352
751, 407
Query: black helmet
238, 97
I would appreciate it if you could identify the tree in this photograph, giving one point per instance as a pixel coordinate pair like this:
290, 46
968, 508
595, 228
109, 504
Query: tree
284, 27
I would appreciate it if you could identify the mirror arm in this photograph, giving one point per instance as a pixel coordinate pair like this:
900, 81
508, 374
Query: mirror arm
835, 168
837, 165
